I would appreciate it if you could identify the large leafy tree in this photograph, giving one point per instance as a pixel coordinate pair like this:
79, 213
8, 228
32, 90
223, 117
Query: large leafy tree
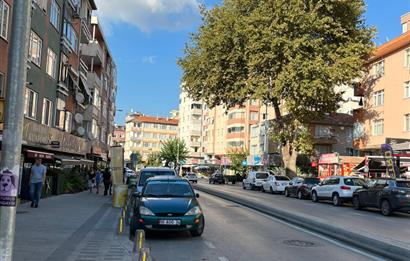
288, 53
154, 159
237, 156
173, 150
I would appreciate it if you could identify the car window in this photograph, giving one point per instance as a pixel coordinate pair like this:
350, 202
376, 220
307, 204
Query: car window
311, 181
334, 181
325, 181
282, 178
149, 174
167, 189
262, 175
403, 184
354, 182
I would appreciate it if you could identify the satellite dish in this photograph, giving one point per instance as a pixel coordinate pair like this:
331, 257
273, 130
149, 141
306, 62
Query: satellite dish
78, 118
80, 131
79, 97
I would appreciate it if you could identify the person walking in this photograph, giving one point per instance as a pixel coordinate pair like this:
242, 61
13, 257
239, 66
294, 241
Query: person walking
98, 177
37, 179
107, 181
91, 179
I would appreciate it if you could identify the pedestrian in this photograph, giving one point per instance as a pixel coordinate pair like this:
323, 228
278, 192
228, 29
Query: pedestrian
107, 181
98, 177
37, 179
91, 180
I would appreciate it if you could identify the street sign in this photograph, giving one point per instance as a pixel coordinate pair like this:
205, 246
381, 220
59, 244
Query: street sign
55, 144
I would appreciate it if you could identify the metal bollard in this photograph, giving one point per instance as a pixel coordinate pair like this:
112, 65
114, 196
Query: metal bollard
121, 225
139, 241
144, 254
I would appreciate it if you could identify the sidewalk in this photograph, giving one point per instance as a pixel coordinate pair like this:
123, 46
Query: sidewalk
73, 227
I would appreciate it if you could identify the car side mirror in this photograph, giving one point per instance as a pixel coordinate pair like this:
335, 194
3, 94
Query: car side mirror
320, 184
197, 195
136, 194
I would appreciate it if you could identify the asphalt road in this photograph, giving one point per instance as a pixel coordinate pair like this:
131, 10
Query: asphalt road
370, 222
233, 232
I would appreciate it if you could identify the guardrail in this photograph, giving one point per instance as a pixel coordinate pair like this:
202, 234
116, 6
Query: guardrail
372, 245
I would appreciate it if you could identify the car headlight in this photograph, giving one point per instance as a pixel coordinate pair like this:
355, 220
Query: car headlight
194, 211
146, 212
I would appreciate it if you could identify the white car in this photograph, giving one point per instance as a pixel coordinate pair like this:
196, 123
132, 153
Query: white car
192, 177
275, 184
255, 179
337, 188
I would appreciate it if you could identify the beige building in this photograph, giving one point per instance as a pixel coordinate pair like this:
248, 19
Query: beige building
386, 112
145, 134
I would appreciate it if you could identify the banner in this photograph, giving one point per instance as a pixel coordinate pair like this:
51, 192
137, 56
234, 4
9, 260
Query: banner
117, 164
392, 169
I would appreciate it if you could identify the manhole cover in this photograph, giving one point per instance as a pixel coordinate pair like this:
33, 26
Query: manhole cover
299, 243
21, 212
232, 206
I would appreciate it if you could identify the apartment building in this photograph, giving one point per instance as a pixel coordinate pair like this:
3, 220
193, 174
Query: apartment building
145, 134
190, 127
385, 117
118, 137
5, 24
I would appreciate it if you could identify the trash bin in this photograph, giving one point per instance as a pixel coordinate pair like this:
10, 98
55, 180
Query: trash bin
120, 195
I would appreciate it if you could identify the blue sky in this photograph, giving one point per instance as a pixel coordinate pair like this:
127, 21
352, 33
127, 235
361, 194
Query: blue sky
146, 37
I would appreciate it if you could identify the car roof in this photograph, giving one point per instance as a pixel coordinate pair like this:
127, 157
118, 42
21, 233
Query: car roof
165, 178
157, 169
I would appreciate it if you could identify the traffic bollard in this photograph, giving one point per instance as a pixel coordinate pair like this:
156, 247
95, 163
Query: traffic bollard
139, 241
144, 254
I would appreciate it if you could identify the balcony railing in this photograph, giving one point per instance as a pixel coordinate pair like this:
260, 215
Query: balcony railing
93, 79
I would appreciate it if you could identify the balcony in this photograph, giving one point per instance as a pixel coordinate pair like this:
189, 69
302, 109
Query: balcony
91, 112
195, 132
86, 31
196, 111
83, 69
92, 53
93, 80
195, 144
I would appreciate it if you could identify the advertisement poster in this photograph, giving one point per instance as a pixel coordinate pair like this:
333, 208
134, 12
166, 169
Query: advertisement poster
117, 164
8, 188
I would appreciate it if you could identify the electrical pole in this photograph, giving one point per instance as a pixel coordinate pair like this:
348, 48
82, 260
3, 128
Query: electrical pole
13, 127
266, 142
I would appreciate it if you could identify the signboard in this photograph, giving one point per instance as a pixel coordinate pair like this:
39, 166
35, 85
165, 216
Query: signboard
55, 144
387, 151
8, 189
117, 164
39, 155
331, 158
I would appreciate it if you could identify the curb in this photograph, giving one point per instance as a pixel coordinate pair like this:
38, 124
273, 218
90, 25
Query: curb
359, 241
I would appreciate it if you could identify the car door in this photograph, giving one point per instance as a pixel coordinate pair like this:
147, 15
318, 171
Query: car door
330, 187
375, 191
266, 184
320, 189
292, 185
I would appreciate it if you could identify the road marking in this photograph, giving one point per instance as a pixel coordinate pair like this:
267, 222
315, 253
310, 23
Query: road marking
210, 245
222, 258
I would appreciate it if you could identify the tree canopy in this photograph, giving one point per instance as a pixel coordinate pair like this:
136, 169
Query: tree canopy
237, 156
173, 150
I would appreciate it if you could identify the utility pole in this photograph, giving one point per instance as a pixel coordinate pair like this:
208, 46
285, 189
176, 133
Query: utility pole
266, 141
13, 127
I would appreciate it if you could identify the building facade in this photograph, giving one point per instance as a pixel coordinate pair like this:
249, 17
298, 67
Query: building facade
118, 137
145, 134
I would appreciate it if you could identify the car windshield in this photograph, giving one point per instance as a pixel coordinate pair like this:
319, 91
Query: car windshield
262, 175
282, 178
354, 182
312, 181
149, 174
168, 189
403, 184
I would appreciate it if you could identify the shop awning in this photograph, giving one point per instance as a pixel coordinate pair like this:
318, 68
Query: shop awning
72, 161
39, 155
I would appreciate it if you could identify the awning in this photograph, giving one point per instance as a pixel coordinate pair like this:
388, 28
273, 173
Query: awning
39, 155
85, 87
72, 161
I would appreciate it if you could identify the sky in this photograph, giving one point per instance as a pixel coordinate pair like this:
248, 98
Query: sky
146, 37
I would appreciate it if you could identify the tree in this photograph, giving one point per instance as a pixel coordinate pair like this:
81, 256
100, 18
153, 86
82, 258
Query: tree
154, 159
288, 53
237, 156
173, 150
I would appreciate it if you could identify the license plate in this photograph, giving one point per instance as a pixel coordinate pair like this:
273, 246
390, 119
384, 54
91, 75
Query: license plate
169, 222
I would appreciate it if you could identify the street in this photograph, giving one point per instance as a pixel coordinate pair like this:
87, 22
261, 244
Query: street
233, 232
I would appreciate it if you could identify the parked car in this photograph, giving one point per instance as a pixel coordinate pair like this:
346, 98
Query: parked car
152, 172
337, 188
217, 178
192, 177
301, 187
388, 195
167, 203
275, 184
255, 179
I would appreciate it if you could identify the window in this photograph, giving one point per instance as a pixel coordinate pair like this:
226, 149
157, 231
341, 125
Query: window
378, 98
196, 106
30, 107
47, 112
104, 109
2, 84
4, 18
407, 122
407, 89
94, 128
55, 14
322, 131
254, 116
236, 129
235, 115
379, 68
63, 68
68, 121
97, 99
51, 66
235, 144
378, 127
42, 4
70, 35
34, 52
60, 113
103, 135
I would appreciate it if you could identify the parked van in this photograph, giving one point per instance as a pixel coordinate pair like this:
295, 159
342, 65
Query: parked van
255, 179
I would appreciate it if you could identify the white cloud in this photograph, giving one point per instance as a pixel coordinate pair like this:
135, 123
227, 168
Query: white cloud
149, 15
149, 59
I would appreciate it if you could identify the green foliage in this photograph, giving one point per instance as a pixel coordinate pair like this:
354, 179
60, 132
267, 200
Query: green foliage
290, 53
237, 156
174, 149
154, 159
76, 181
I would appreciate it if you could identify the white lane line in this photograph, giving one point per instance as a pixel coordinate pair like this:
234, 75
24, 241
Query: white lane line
222, 258
210, 245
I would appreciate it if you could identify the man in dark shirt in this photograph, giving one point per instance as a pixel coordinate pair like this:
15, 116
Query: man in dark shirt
107, 181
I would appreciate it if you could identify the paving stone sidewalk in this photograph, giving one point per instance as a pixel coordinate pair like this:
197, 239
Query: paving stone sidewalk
74, 227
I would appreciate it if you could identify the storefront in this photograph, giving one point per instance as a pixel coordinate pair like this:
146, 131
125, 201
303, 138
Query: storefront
334, 165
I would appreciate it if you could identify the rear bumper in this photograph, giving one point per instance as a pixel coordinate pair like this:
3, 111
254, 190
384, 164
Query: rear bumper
400, 202
152, 223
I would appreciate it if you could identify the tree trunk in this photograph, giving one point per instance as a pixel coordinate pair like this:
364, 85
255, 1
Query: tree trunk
289, 156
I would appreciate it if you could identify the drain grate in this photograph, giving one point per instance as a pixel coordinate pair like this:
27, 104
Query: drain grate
299, 243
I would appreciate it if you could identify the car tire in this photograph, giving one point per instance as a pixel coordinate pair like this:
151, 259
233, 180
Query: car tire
233, 183
356, 203
243, 185
386, 208
253, 187
287, 193
300, 194
198, 231
336, 200
314, 197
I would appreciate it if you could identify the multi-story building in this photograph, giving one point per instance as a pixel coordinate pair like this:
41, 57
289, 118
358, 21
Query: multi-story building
190, 127
145, 134
5, 25
385, 116
118, 137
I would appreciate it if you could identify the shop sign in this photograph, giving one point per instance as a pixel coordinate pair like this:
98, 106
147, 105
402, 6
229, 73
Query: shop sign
331, 158
39, 155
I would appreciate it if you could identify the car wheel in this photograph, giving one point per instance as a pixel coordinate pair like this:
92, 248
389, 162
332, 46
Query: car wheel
286, 193
356, 203
336, 200
243, 185
386, 208
300, 195
200, 229
233, 182
314, 197
253, 187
